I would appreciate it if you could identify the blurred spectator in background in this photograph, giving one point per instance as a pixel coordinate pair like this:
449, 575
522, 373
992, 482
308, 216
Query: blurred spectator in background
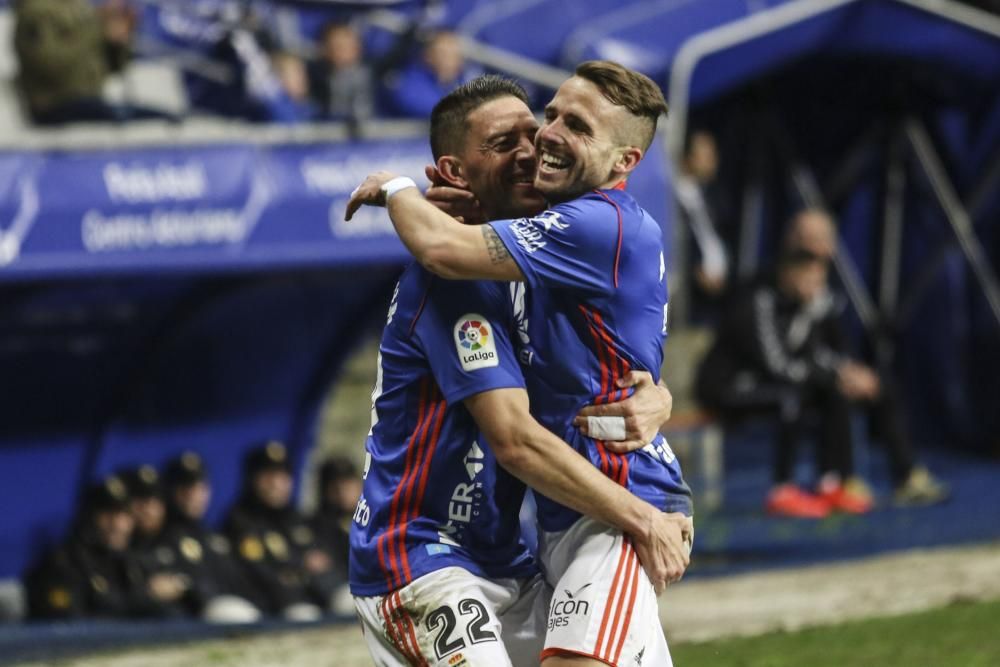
698, 171
275, 541
94, 574
775, 354
339, 491
222, 588
238, 72
340, 82
780, 351
440, 68
66, 50
293, 103
170, 580
813, 232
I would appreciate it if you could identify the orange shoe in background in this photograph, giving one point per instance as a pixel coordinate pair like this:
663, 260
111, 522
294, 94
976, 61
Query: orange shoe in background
789, 500
854, 497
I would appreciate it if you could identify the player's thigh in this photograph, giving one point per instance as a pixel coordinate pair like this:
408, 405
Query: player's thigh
603, 604
525, 620
446, 618
380, 638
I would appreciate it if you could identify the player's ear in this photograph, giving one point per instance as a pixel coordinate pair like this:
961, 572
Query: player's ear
628, 160
452, 171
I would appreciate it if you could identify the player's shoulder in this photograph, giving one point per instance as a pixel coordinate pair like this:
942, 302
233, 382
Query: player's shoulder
591, 211
599, 205
412, 291
592, 202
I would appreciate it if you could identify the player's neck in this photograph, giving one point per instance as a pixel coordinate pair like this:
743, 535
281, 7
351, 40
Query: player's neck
617, 183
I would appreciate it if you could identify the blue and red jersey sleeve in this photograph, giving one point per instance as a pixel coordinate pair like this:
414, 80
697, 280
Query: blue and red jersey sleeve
464, 330
574, 245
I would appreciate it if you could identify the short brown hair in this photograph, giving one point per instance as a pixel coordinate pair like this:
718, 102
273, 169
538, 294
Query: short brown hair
448, 119
630, 89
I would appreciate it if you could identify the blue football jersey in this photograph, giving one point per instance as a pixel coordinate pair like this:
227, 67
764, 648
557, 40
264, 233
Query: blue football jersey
434, 495
593, 307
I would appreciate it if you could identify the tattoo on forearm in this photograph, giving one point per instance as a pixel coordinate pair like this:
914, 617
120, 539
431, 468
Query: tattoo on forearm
498, 251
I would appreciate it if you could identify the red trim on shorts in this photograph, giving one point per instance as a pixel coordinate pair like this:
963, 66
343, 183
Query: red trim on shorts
408, 627
618, 247
610, 601
398, 625
391, 626
633, 576
553, 651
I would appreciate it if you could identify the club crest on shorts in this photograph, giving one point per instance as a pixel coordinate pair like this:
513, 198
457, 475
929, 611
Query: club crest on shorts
475, 343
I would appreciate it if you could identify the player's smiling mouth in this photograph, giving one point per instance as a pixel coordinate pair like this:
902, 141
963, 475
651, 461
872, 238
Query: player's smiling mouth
551, 163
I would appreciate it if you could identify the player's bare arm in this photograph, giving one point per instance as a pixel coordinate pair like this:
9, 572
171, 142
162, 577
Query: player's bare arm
440, 243
544, 462
630, 424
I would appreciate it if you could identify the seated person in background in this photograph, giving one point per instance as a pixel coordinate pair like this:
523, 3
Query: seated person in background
66, 50
780, 351
169, 573
340, 82
774, 354
219, 581
339, 490
813, 231
95, 574
440, 68
275, 541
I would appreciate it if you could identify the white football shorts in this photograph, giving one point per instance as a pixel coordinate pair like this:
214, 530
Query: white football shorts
603, 603
452, 618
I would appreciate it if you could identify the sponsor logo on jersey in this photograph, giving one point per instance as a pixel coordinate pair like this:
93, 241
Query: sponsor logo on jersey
528, 236
474, 342
465, 499
530, 232
474, 461
548, 220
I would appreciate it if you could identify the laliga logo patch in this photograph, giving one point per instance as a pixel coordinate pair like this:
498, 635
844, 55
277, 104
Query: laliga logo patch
474, 342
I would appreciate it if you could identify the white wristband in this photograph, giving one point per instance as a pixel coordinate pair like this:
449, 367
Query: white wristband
395, 185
